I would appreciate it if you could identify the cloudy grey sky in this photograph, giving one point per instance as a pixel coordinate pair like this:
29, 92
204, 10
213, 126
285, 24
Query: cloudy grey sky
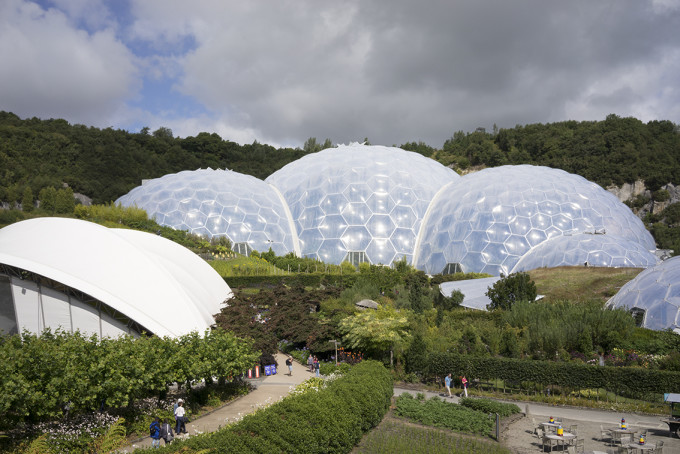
390, 70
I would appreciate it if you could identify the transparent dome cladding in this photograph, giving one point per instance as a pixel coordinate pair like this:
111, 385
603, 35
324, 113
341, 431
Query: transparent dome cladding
356, 198
379, 204
217, 203
492, 218
593, 250
656, 292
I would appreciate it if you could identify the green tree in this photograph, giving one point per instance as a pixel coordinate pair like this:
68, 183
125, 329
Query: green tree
27, 200
48, 199
163, 133
376, 331
64, 202
416, 355
12, 195
509, 290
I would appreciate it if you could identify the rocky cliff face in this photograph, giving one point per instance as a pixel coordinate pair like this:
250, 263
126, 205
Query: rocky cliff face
630, 191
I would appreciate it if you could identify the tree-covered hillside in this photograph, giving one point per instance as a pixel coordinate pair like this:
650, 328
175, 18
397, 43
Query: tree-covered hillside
614, 151
106, 163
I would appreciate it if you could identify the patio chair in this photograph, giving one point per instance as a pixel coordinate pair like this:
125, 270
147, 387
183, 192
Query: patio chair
605, 436
538, 433
549, 442
577, 446
574, 429
659, 448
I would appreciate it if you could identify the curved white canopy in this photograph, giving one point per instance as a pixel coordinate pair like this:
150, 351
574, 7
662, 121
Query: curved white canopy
155, 282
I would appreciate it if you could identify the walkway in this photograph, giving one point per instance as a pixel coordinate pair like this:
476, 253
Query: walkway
268, 390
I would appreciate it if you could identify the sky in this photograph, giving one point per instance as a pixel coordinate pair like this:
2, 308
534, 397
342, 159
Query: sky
392, 71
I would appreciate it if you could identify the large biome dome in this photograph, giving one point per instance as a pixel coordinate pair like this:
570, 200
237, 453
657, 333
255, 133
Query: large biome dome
376, 204
653, 296
360, 203
218, 203
492, 218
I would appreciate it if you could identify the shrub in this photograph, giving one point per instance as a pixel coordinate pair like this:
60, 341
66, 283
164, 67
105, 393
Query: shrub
490, 406
631, 381
435, 412
329, 368
509, 290
331, 420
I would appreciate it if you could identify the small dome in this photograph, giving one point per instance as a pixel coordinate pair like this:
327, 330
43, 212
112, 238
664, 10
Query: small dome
654, 296
590, 250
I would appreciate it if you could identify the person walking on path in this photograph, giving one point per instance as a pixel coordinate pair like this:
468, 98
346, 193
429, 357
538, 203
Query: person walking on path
289, 363
317, 366
465, 383
174, 409
166, 432
180, 418
447, 383
310, 362
155, 432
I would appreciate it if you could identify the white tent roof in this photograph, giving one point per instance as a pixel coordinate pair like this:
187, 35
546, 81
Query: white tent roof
474, 291
156, 282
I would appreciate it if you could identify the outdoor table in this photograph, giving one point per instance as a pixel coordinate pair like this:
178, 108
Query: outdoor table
564, 439
642, 448
619, 434
552, 426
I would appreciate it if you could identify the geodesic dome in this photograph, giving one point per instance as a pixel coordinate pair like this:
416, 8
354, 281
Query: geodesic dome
584, 249
212, 203
654, 294
490, 219
360, 203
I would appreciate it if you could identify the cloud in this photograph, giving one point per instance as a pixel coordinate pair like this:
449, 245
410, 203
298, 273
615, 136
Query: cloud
51, 69
402, 71
392, 71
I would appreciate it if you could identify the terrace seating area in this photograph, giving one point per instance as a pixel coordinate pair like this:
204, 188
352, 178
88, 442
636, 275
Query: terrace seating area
565, 435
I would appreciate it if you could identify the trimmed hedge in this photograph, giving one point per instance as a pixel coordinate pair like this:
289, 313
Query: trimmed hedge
332, 420
293, 280
632, 381
490, 406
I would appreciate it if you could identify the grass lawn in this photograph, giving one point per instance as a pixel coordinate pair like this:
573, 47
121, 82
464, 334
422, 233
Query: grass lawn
245, 266
580, 283
394, 434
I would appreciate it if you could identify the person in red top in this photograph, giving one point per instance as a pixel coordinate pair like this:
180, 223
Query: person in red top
464, 381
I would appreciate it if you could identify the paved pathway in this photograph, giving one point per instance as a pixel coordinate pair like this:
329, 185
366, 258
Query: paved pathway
268, 390
520, 439
275, 387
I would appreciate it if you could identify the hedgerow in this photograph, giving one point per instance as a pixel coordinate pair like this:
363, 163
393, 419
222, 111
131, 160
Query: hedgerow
331, 420
490, 406
631, 381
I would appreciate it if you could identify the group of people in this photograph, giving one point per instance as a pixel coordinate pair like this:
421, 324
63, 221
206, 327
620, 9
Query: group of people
163, 430
463, 381
313, 364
